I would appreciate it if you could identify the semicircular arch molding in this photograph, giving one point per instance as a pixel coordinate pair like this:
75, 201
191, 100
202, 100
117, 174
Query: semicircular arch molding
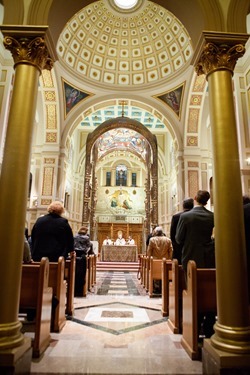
158, 114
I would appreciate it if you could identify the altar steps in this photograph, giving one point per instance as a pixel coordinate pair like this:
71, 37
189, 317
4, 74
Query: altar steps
117, 266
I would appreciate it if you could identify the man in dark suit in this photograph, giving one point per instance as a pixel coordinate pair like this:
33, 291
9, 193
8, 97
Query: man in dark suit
194, 231
187, 205
52, 235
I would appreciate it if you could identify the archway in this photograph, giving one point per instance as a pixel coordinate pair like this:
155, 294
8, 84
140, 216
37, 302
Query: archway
151, 162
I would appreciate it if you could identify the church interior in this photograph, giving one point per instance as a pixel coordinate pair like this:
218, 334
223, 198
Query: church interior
120, 110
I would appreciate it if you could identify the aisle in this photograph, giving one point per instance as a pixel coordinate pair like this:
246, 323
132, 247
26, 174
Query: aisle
117, 329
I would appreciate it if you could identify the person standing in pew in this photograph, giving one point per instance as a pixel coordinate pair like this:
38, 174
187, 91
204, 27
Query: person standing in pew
187, 205
51, 235
82, 247
194, 233
159, 247
26, 251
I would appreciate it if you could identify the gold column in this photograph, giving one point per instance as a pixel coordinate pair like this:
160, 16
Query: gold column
217, 56
30, 56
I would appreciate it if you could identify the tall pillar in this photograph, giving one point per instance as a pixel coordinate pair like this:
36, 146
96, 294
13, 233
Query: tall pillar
30, 56
228, 349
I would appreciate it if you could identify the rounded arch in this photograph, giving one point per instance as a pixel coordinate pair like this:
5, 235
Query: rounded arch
154, 107
152, 168
121, 122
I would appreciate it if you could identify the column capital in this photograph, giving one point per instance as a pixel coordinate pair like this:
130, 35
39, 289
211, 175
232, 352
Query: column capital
29, 45
218, 51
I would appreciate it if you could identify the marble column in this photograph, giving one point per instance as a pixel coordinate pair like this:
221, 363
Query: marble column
30, 56
228, 349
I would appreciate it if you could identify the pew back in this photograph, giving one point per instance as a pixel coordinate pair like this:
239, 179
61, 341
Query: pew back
176, 287
198, 298
57, 282
35, 294
166, 278
69, 276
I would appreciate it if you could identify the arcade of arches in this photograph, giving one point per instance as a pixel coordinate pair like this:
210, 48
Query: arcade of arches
121, 111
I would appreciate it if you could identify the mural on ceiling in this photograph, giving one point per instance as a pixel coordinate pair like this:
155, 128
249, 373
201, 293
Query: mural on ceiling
173, 99
72, 96
121, 138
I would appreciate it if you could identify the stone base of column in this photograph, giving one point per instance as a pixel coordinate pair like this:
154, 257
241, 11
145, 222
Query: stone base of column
16, 360
218, 362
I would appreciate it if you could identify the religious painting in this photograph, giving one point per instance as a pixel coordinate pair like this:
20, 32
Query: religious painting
173, 99
123, 139
120, 199
73, 96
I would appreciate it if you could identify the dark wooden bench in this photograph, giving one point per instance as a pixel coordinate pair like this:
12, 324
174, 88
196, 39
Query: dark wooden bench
199, 298
146, 272
57, 282
176, 287
166, 278
36, 295
69, 276
141, 267
155, 273
59, 286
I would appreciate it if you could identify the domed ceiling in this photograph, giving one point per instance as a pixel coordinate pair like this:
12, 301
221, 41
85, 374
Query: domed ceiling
111, 46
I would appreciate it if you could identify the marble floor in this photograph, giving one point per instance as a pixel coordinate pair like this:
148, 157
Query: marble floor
116, 329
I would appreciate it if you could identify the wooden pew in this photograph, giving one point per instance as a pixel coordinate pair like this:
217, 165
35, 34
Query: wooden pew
176, 287
166, 278
155, 273
142, 265
146, 273
94, 270
87, 278
35, 294
69, 276
198, 298
57, 282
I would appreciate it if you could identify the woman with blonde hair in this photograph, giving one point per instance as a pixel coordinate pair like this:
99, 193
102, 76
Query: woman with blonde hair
52, 235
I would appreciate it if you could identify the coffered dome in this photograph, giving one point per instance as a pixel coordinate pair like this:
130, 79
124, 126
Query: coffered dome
109, 46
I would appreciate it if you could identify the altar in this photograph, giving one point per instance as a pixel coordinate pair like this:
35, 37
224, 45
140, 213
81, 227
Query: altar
113, 253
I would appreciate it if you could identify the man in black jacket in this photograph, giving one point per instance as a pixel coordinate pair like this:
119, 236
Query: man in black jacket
187, 205
52, 235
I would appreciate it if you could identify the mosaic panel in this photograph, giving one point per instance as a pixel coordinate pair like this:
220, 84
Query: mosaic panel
193, 183
193, 118
47, 79
48, 173
192, 141
51, 137
199, 84
193, 164
51, 122
45, 202
195, 100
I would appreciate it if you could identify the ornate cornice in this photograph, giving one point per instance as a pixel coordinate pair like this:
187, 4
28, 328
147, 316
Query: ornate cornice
218, 51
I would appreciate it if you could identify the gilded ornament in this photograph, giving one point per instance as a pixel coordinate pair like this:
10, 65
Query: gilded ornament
216, 57
32, 51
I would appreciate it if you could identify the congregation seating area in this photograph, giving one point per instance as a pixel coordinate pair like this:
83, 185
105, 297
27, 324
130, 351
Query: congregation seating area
47, 297
184, 303
47, 290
